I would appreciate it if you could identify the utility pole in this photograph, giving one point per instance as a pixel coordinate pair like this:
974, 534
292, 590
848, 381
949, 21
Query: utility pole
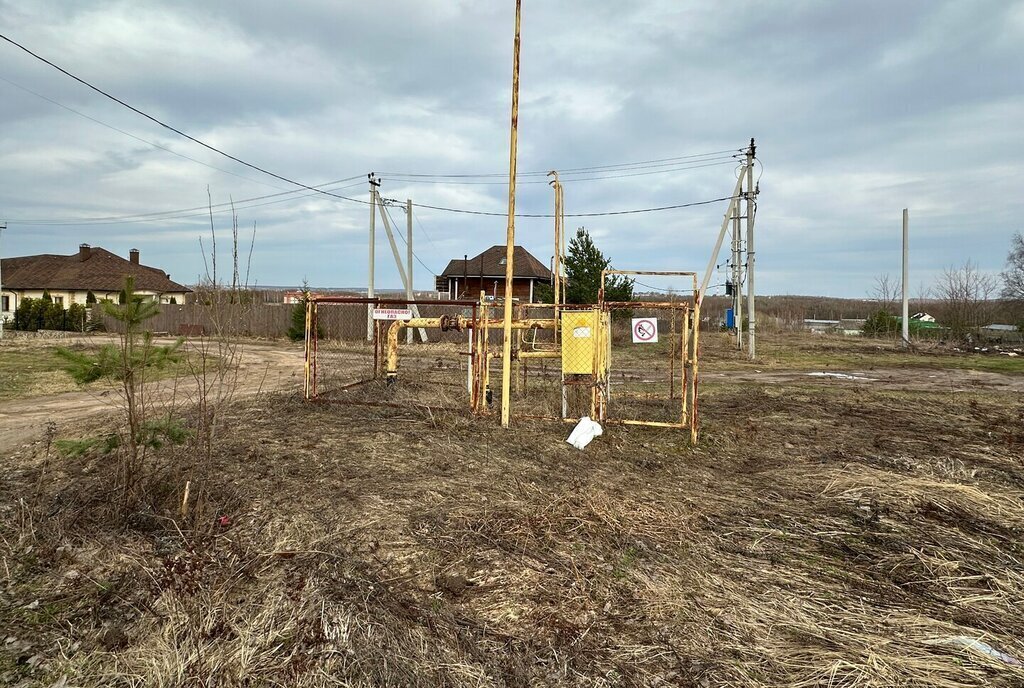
737, 275
751, 194
510, 234
402, 275
408, 246
374, 183
906, 279
3, 226
726, 217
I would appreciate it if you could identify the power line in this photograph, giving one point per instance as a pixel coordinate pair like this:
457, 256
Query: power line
312, 188
651, 163
645, 172
184, 213
404, 241
203, 211
174, 129
137, 138
600, 214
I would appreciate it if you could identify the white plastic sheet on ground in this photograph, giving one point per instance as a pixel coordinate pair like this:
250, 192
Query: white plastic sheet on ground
584, 432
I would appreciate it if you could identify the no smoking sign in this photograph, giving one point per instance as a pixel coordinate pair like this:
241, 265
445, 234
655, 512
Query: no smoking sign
645, 330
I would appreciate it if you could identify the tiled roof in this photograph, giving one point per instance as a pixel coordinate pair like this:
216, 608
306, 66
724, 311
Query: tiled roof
100, 270
491, 263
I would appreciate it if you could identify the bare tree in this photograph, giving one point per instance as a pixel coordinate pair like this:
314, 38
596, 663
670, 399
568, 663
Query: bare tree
920, 302
965, 297
1013, 275
886, 291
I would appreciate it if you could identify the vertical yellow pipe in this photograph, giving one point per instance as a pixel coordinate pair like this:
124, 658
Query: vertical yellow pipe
510, 236
693, 383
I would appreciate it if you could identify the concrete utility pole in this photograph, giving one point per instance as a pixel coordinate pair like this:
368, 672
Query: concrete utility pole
510, 234
406, 281
726, 217
906, 278
751, 320
408, 246
374, 183
3, 226
737, 274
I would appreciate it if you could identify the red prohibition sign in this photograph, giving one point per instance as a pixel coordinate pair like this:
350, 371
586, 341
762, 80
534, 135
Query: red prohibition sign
645, 330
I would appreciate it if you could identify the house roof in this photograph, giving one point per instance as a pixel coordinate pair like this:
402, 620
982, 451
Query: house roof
491, 263
99, 270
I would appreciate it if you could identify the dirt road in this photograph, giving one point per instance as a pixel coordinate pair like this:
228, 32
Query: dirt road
264, 367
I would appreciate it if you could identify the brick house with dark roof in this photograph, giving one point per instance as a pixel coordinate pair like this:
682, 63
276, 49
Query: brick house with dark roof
69, 279
466, 278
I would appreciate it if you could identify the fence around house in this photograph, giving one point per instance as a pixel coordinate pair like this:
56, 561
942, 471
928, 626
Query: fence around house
261, 320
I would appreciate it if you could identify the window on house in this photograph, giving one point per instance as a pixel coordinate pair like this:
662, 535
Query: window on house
5, 303
59, 301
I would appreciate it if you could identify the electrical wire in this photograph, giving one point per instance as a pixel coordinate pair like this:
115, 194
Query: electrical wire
402, 237
571, 170
307, 187
175, 129
722, 161
597, 214
183, 213
137, 138
666, 289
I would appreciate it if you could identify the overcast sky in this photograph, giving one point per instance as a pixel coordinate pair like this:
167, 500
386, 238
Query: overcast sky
859, 109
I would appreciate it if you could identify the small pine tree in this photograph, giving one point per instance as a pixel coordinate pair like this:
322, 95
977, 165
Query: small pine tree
128, 361
297, 331
90, 298
583, 266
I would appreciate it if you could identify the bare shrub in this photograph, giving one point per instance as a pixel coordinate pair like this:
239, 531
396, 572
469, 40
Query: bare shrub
965, 299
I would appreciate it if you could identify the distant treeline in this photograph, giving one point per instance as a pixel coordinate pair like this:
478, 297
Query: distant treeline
792, 310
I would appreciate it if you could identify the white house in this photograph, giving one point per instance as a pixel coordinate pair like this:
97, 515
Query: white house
70, 279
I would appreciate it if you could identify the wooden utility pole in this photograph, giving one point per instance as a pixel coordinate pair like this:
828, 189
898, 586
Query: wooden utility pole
751, 320
906, 279
510, 234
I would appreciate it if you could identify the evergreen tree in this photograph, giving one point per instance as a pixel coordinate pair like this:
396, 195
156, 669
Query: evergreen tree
583, 266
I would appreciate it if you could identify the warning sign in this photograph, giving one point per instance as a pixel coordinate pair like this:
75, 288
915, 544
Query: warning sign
645, 330
392, 313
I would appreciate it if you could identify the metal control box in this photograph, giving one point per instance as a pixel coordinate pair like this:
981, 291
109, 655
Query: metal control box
579, 333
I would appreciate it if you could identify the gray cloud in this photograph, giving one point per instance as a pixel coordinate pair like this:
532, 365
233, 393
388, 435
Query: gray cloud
859, 110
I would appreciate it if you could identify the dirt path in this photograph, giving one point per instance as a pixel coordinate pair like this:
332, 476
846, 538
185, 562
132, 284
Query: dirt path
264, 367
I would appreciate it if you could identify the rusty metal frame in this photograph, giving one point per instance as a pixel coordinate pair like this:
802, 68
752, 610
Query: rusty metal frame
689, 348
310, 391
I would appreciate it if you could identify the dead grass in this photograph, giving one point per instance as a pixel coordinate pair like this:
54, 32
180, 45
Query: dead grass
32, 368
819, 536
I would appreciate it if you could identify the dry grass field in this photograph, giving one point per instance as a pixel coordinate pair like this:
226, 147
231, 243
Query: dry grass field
827, 531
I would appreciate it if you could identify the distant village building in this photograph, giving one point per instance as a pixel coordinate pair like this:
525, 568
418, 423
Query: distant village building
298, 296
466, 278
69, 279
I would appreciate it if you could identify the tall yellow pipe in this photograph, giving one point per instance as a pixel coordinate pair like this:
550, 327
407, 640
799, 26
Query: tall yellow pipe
510, 235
